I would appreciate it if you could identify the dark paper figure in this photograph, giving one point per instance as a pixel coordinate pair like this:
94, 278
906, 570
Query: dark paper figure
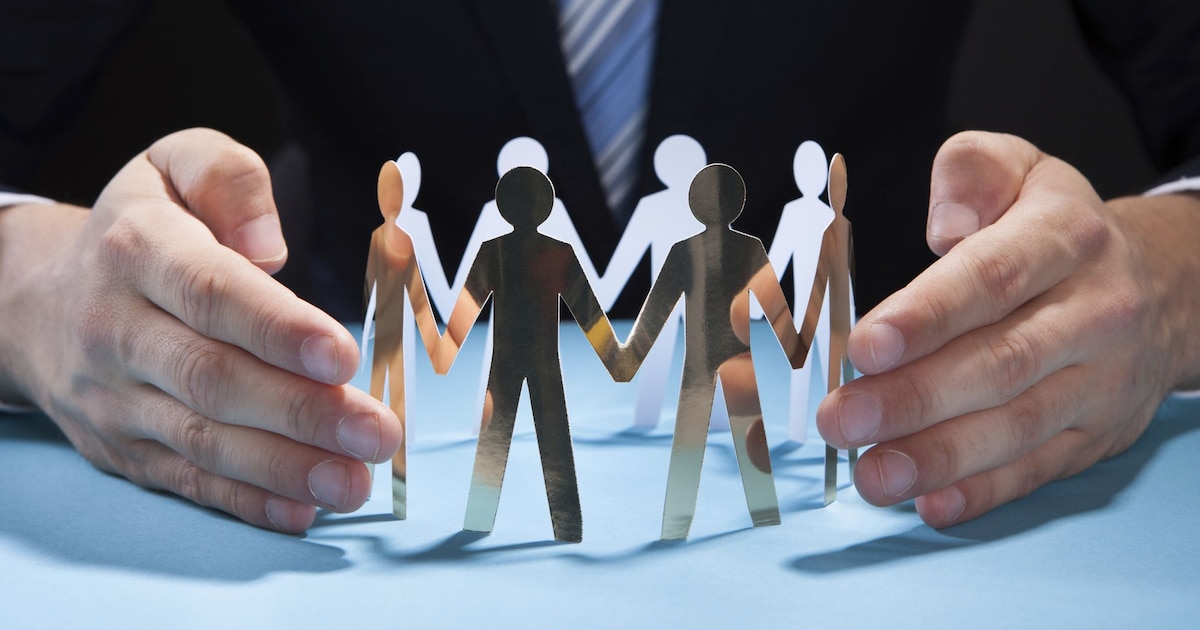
525, 274
715, 272
392, 271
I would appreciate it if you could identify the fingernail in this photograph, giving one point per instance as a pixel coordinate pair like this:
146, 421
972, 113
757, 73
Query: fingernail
260, 240
886, 345
279, 512
952, 221
859, 416
358, 435
320, 358
897, 473
953, 503
329, 483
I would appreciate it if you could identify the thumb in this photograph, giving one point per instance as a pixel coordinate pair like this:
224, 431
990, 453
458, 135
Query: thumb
226, 185
976, 177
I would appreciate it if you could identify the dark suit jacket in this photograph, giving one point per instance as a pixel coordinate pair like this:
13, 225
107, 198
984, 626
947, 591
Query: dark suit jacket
750, 79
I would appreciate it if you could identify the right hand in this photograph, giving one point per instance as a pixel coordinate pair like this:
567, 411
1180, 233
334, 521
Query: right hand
152, 334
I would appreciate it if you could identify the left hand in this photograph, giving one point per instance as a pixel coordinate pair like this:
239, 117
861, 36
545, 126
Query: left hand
1042, 342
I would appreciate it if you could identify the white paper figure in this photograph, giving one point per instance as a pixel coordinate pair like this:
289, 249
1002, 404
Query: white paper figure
798, 241
658, 222
522, 151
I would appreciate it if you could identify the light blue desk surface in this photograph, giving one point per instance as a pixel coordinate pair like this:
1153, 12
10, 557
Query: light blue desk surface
1117, 546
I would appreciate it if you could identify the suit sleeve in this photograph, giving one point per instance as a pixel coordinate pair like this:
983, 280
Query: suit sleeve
51, 52
1152, 50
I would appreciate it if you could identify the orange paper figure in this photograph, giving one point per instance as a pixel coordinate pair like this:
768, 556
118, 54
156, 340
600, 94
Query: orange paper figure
393, 272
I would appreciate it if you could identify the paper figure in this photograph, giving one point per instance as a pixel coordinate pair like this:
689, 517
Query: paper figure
658, 221
715, 272
392, 273
798, 242
416, 223
835, 268
522, 151
526, 273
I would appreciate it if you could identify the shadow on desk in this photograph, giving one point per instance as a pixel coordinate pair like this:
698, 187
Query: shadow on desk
56, 505
1090, 491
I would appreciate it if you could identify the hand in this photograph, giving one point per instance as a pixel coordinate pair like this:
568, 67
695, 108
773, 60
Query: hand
1043, 340
150, 331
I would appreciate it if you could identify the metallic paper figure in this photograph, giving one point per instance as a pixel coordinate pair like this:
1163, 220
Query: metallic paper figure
392, 269
715, 271
835, 268
526, 273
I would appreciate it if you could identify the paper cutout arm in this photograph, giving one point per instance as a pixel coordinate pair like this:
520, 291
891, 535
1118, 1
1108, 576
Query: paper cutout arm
765, 287
586, 309
477, 288
667, 290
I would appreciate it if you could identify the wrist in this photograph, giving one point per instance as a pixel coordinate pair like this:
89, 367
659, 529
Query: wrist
32, 237
1162, 233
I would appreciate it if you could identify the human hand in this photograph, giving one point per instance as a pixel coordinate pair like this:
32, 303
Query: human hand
150, 331
1043, 340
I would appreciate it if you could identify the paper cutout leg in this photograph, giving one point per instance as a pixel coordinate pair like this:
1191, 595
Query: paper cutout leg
549, 405
687, 448
740, 384
491, 454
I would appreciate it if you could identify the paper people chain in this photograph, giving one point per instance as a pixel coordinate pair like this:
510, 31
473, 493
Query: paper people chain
709, 264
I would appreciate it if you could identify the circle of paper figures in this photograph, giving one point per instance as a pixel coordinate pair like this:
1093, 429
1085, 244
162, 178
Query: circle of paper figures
525, 257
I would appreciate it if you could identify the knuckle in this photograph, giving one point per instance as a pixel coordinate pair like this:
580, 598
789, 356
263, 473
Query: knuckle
188, 480
1001, 275
231, 165
1026, 426
1086, 230
123, 246
303, 406
1013, 359
199, 287
202, 376
924, 399
197, 439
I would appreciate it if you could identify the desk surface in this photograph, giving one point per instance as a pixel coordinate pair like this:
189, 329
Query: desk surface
1116, 546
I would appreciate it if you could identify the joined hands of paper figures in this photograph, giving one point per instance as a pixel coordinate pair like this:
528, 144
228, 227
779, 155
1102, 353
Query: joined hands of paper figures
525, 274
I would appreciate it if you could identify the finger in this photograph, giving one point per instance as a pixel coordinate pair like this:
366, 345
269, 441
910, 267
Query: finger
949, 451
1042, 239
976, 177
1066, 454
225, 383
161, 468
297, 471
227, 186
217, 293
979, 370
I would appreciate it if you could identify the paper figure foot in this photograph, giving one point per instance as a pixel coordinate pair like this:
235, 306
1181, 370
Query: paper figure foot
400, 483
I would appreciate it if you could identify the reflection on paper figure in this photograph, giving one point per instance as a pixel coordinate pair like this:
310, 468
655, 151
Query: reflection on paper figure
526, 273
658, 221
393, 271
521, 151
715, 272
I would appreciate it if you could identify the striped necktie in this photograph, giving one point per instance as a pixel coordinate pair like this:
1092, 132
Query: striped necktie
608, 46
